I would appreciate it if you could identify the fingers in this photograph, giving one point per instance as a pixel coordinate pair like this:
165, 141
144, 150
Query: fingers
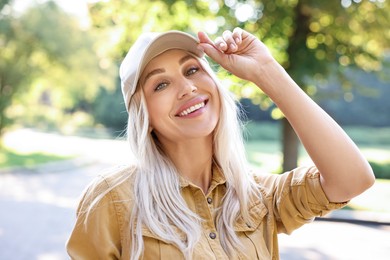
228, 43
204, 38
212, 51
221, 44
237, 35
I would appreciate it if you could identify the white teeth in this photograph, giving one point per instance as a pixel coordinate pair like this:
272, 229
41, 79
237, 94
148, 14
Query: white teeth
191, 109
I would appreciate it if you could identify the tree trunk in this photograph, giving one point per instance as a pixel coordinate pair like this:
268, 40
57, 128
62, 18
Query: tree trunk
290, 146
297, 52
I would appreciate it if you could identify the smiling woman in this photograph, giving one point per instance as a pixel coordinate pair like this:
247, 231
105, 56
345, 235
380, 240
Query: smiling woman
192, 101
190, 193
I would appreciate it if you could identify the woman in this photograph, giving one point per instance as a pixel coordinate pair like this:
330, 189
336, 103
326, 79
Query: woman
190, 194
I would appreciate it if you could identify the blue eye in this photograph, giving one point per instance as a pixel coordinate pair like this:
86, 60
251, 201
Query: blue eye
160, 86
191, 71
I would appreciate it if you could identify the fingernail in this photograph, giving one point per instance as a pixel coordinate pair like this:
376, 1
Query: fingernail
233, 46
237, 40
222, 45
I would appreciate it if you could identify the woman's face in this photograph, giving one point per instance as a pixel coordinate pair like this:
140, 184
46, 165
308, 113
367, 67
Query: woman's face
182, 99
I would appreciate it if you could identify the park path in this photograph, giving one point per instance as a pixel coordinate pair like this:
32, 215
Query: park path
37, 209
37, 206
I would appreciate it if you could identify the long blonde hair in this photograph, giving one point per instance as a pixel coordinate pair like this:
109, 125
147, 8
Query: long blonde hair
158, 203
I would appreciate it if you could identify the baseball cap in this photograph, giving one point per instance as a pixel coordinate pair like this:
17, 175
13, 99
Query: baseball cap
147, 46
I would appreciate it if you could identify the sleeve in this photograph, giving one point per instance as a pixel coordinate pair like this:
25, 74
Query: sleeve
297, 198
96, 234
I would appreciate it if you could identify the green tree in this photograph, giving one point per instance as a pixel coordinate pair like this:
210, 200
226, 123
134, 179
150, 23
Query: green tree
125, 20
310, 38
14, 56
313, 39
49, 66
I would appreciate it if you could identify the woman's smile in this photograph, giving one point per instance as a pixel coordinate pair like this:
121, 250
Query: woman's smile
192, 107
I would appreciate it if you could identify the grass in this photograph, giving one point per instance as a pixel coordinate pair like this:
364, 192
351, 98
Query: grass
10, 158
264, 152
264, 147
369, 136
265, 155
375, 199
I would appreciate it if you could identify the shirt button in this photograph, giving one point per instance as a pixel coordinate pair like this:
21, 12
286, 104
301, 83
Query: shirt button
209, 200
212, 235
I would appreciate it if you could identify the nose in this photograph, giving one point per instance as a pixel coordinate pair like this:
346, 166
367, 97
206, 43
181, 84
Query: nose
186, 88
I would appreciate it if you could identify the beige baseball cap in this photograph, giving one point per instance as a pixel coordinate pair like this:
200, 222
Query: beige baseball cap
148, 46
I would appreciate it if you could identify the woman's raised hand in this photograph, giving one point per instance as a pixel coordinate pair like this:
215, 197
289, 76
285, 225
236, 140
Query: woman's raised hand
239, 52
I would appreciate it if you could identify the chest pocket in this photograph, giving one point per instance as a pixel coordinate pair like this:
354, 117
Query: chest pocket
251, 233
157, 248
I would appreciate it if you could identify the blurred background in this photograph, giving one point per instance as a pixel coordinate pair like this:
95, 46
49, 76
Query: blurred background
62, 116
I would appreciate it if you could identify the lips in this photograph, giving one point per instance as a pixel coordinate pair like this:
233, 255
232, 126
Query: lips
192, 106
192, 109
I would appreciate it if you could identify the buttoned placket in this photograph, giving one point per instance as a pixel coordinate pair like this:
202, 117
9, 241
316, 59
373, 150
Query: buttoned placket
204, 206
205, 210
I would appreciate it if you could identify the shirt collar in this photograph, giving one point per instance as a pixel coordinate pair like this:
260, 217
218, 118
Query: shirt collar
217, 179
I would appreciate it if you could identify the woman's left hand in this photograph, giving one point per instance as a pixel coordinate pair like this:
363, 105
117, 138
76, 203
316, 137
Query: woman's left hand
239, 52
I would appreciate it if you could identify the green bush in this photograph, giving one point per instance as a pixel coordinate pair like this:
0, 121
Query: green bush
381, 170
109, 110
264, 131
264, 137
365, 135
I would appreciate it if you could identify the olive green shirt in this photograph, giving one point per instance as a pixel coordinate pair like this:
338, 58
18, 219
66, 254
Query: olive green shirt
287, 202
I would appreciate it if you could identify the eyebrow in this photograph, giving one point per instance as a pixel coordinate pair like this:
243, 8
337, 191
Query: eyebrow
185, 58
160, 70
153, 72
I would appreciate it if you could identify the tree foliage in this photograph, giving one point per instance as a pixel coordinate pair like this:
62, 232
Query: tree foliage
127, 19
48, 65
312, 39
14, 59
